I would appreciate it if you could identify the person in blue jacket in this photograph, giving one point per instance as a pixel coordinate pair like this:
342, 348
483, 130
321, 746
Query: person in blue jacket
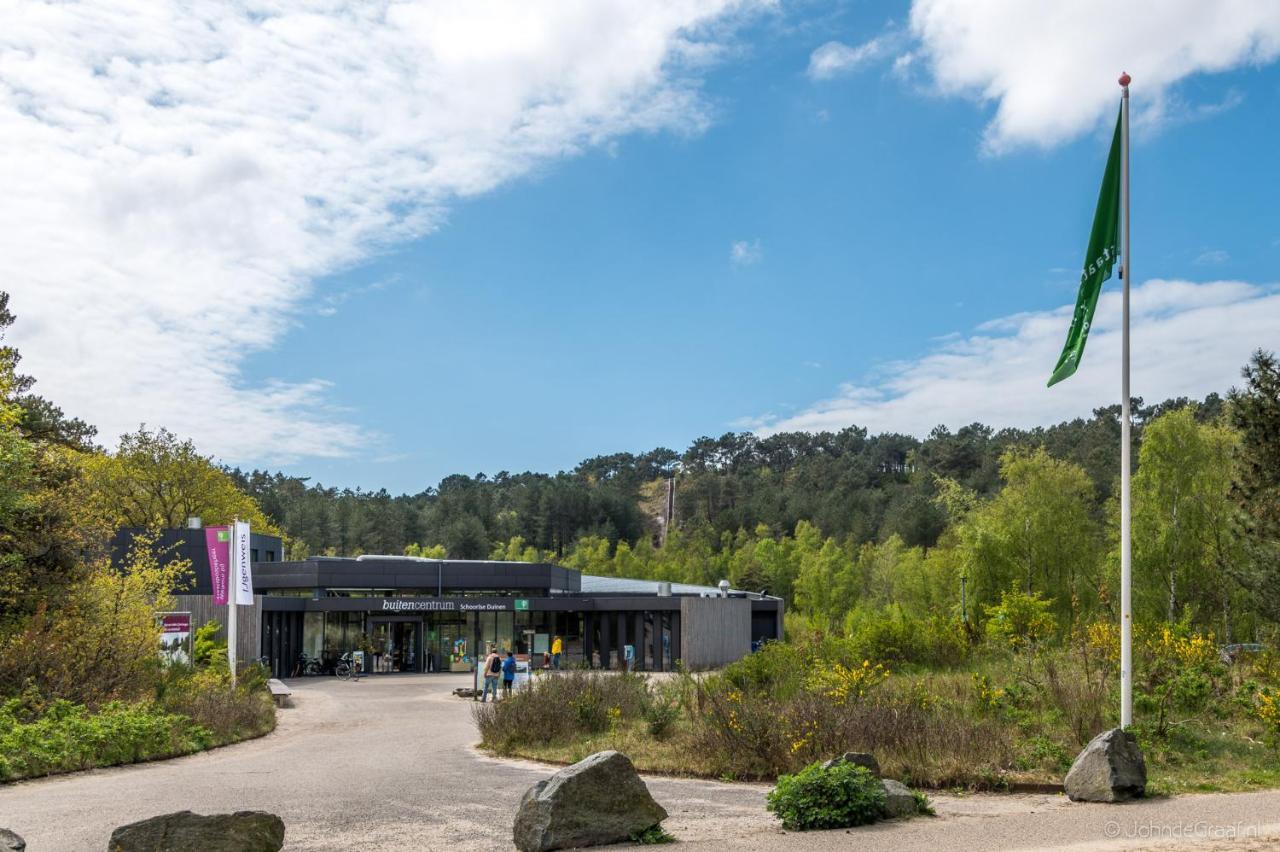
508, 674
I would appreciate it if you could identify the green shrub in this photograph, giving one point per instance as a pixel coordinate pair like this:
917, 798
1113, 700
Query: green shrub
660, 715
844, 795
778, 669
560, 707
207, 650
67, 737
1020, 621
651, 836
205, 696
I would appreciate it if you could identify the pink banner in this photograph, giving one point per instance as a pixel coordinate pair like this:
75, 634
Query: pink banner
218, 541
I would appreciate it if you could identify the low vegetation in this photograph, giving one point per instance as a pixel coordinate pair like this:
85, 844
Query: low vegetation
1010, 714
841, 796
199, 710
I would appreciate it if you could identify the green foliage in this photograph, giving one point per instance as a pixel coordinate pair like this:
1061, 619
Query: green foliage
788, 705
155, 480
192, 710
430, 551
1020, 621
653, 835
1178, 670
67, 737
842, 796
660, 714
208, 649
207, 698
1255, 487
1039, 533
889, 634
99, 641
562, 706
1182, 542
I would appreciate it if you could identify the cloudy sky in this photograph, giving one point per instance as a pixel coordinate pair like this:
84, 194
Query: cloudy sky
380, 243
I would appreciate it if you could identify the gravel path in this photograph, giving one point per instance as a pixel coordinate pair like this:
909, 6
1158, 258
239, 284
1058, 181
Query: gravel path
387, 764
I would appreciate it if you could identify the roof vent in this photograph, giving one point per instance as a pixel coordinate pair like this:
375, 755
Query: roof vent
724, 588
664, 589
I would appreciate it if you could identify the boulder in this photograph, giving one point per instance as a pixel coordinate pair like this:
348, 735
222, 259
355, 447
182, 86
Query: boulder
11, 841
243, 831
1110, 769
899, 801
596, 801
857, 758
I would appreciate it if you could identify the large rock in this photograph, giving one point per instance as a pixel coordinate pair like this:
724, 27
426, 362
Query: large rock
11, 841
857, 758
596, 801
243, 831
899, 801
1110, 769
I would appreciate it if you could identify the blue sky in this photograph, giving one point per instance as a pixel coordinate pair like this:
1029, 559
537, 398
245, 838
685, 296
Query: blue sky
759, 241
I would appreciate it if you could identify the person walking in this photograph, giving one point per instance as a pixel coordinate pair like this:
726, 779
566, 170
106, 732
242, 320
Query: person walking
557, 648
508, 674
492, 668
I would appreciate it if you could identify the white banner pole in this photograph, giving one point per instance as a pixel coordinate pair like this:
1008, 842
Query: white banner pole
1126, 555
233, 581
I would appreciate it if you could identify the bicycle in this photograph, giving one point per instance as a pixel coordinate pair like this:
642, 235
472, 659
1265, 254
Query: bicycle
347, 668
307, 666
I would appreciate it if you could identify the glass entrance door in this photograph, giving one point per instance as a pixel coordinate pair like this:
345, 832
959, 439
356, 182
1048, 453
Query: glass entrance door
397, 645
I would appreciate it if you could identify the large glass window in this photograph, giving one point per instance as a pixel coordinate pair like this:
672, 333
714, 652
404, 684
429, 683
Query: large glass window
487, 631
506, 631
313, 634
343, 632
450, 642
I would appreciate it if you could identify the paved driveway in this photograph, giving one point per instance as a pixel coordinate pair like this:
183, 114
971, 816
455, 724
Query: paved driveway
387, 764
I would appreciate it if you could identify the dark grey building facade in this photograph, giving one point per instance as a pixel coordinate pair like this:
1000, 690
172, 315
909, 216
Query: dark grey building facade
406, 614
409, 614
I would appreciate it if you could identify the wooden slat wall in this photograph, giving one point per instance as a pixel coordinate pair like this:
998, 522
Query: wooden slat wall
714, 631
248, 622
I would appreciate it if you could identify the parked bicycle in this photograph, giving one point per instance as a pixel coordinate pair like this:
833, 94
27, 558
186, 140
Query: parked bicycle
348, 668
307, 666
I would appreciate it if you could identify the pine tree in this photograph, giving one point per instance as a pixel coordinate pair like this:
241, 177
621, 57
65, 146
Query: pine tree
1255, 413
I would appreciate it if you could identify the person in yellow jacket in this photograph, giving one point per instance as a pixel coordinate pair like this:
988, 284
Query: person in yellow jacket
557, 648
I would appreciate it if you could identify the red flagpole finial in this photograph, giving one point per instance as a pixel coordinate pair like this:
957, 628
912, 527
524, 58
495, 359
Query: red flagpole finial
1124, 78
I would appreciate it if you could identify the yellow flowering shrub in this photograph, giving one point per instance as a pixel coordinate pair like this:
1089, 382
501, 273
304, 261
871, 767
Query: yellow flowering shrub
1266, 708
1103, 639
841, 683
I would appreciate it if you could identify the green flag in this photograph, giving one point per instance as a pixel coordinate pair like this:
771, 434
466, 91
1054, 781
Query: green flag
1098, 260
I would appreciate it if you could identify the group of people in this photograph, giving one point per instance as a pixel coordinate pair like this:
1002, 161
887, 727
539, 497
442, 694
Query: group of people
495, 667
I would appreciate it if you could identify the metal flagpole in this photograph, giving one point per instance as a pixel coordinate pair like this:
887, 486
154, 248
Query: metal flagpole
232, 584
1126, 274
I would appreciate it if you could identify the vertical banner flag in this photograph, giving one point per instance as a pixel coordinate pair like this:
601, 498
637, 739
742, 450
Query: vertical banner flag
175, 638
218, 542
243, 566
1098, 261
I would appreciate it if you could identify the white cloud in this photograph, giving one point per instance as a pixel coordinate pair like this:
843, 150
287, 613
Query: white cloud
1187, 340
1212, 256
744, 253
835, 58
1051, 67
176, 175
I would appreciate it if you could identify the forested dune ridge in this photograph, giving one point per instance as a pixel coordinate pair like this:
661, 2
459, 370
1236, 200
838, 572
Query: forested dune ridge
849, 484
844, 524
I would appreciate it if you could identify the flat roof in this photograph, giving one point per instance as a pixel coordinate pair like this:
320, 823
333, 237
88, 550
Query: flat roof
595, 585
475, 575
